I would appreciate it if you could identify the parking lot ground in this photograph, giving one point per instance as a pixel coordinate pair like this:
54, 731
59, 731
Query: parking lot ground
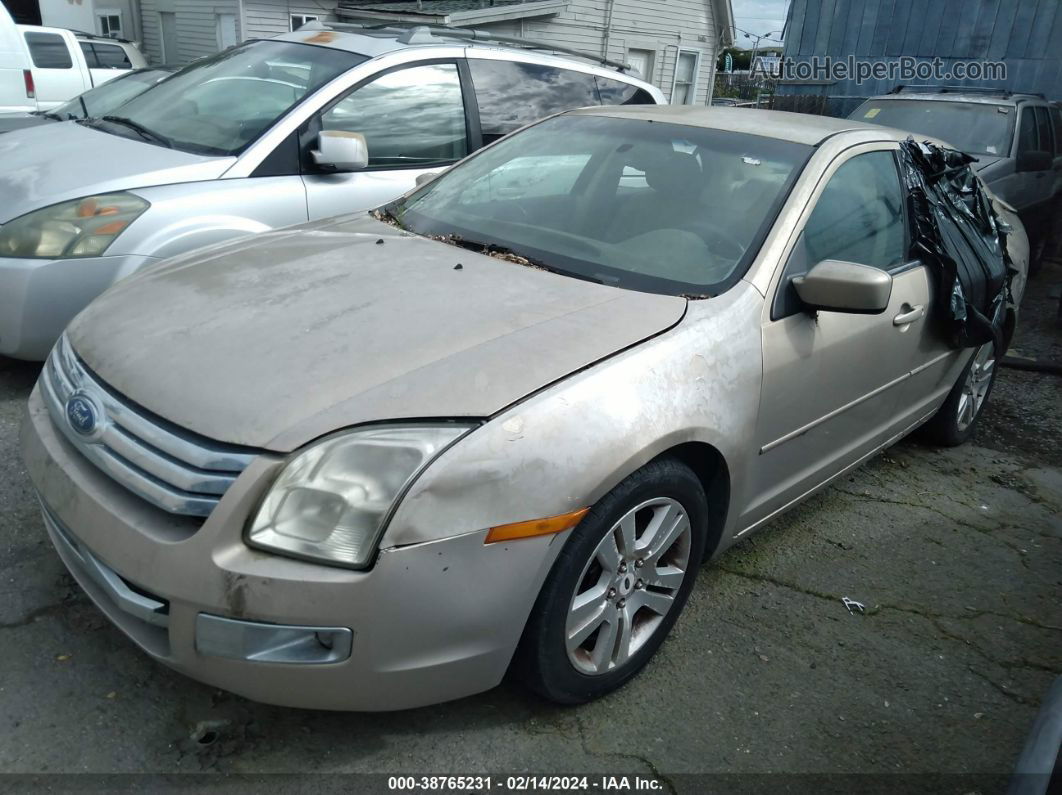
956, 556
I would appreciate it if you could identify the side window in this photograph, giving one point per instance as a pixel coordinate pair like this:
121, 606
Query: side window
1027, 131
616, 92
512, 94
111, 56
859, 217
90, 55
413, 117
49, 51
1043, 126
1056, 117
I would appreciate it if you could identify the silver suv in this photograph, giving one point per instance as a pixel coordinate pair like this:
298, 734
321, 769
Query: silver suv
1016, 138
270, 133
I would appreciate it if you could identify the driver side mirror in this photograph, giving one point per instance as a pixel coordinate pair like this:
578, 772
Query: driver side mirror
1033, 160
339, 150
837, 286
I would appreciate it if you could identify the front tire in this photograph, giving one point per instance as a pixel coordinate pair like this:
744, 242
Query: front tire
617, 587
955, 421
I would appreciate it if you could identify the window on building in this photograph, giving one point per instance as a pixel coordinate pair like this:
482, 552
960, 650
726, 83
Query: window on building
642, 62
298, 20
412, 117
109, 22
512, 94
686, 67
49, 51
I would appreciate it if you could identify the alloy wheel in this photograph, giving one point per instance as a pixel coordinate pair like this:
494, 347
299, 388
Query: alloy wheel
975, 389
628, 585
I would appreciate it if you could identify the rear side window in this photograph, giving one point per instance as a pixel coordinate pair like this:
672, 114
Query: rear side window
511, 94
1056, 117
49, 51
616, 92
111, 56
1043, 126
1027, 131
90, 55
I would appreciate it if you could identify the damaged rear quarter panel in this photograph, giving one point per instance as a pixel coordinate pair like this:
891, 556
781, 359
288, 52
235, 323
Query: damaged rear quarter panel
564, 448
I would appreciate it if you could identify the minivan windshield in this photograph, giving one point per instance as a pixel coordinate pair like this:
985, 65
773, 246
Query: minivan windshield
222, 104
104, 98
650, 206
977, 128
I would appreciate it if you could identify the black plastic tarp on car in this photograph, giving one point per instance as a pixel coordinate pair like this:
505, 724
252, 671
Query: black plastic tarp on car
962, 241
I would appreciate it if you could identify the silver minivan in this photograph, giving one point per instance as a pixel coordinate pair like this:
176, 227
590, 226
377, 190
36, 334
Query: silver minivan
266, 134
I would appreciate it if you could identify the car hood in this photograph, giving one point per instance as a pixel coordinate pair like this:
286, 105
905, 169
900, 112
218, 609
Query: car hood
19, 121
278, 339
67, 160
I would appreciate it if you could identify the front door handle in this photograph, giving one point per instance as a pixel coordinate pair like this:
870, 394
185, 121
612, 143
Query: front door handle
910, 316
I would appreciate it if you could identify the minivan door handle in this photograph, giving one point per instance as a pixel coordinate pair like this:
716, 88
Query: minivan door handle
910, 316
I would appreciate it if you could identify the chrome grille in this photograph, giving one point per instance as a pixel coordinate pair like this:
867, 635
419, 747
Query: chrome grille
172, 470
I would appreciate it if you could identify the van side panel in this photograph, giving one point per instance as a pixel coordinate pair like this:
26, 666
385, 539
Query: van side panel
13, 60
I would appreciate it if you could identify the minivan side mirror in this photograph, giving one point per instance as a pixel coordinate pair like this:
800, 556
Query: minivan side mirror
339, 150
1033, 160
837, 286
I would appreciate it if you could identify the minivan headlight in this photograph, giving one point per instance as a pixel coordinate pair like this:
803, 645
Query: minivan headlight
331, 501
78, 228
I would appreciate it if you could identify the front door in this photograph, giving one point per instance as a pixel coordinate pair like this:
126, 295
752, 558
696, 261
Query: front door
831, 380
414, 121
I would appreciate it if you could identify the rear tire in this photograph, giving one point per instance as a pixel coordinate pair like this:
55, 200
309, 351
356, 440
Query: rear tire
617, 587
956, 420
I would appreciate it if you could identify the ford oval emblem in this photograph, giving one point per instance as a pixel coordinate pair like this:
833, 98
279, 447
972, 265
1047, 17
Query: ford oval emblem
82, 415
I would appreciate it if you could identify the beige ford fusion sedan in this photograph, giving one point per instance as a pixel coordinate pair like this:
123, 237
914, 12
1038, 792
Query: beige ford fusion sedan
378, 461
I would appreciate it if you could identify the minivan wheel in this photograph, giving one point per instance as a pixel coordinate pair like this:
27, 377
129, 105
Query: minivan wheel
617, 587
954, 423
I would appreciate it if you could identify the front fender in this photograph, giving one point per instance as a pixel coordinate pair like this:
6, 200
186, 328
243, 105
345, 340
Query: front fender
564, 448
189, 216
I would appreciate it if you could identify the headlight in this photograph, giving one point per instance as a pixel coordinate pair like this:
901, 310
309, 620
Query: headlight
330, 502
79, 228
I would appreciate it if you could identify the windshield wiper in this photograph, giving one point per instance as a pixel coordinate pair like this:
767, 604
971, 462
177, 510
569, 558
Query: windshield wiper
510, 255
140, 130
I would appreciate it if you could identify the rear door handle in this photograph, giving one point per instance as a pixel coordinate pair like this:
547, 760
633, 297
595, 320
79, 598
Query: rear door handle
910, 316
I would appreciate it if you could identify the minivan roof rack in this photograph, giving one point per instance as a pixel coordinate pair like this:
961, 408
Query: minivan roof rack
928, 89
426, 34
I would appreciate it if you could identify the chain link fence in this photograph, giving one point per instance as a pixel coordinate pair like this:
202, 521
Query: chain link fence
759, 91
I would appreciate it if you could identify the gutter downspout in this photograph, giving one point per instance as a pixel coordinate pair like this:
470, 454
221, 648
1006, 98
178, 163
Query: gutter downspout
608, 30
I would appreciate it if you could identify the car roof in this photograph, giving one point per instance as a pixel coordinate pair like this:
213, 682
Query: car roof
801, 128
380, 41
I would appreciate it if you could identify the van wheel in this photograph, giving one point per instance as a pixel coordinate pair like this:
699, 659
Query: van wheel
617, 587
955, 421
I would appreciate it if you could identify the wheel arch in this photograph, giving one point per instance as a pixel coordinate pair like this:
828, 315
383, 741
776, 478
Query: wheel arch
710, 467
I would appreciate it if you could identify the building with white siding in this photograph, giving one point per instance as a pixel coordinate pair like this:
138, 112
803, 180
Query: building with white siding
672, 43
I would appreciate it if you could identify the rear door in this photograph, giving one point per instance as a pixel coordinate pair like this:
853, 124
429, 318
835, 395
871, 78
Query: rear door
415, 121
1035, 187
59, 72
14, 62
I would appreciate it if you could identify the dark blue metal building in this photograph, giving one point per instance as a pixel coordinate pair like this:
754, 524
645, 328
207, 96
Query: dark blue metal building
1026, 35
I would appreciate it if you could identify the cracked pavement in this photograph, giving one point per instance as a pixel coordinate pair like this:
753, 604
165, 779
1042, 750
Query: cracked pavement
956, 556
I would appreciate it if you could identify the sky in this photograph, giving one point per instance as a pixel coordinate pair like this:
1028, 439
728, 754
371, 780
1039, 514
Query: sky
758, 17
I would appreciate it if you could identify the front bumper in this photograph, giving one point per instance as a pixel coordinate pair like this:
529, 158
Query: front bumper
429, 622
39, 297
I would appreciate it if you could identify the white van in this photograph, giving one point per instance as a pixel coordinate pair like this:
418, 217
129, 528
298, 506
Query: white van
16, 79
52, 65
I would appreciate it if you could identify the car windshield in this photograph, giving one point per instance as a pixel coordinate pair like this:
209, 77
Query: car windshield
662, 208
220, 105
977, 128
103, 99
